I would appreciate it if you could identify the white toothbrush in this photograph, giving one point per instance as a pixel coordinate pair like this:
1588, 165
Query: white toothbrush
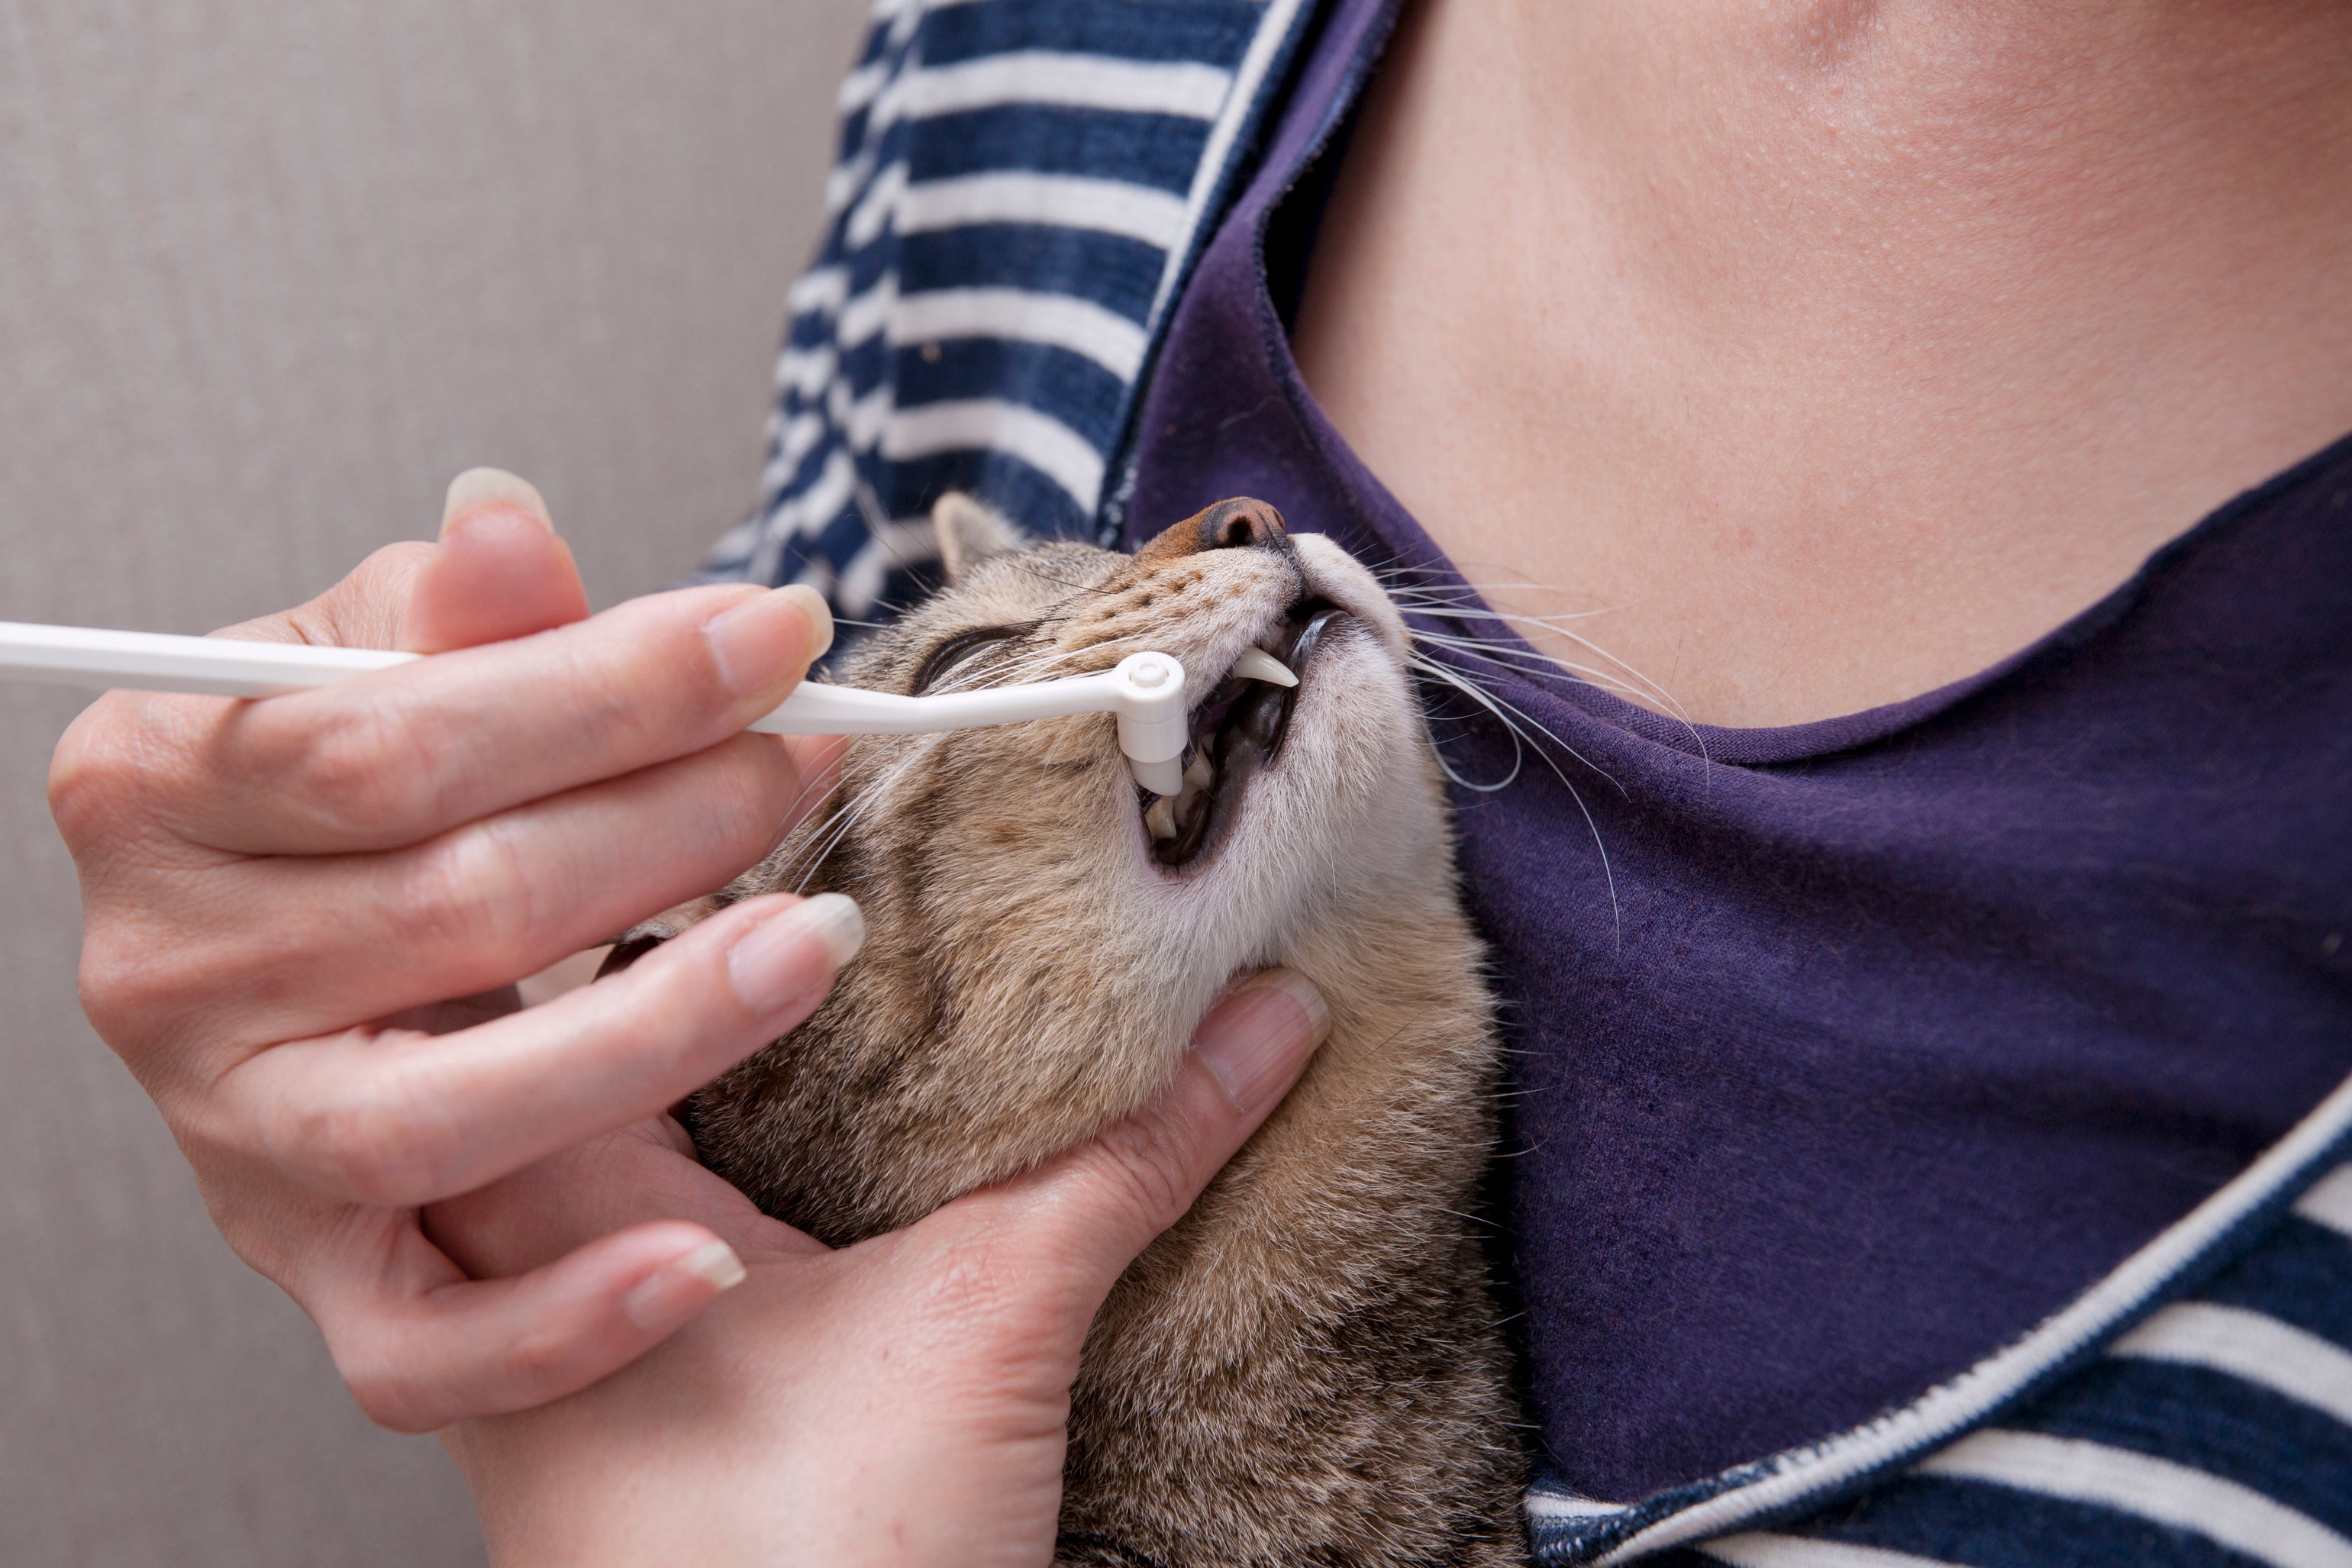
1146, 691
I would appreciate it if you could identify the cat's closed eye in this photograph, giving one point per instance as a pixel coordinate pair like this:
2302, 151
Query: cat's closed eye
960, 650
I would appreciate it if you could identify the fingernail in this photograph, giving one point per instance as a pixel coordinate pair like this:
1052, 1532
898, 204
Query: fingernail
1252, 1048
754, 643
475, 486
781, 959
682, 1285
819, 614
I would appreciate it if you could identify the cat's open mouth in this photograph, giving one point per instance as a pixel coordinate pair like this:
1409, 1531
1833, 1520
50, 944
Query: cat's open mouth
1237, 730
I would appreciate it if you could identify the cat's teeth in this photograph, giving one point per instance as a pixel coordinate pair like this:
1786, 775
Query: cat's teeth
1257, 664
1160, 820
1199, 776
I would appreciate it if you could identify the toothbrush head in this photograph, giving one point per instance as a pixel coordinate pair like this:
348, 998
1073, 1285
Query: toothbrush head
1151, 719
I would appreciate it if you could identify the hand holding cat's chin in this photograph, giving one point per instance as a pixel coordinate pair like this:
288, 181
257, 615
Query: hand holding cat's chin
903, 1400
279, 897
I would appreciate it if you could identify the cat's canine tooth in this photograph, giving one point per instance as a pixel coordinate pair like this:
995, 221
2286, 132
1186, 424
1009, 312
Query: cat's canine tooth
1160, 820
1257, 664
1199, 776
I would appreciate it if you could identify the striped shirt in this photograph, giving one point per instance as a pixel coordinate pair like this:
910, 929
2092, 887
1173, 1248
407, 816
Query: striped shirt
2194, 1407
1022, 189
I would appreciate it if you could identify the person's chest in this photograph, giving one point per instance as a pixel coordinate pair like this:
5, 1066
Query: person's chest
1789, 435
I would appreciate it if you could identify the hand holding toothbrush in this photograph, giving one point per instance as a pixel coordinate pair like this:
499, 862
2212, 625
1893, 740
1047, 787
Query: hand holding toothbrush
304, 918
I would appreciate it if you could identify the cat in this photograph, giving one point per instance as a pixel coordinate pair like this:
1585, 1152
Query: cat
1310, 1366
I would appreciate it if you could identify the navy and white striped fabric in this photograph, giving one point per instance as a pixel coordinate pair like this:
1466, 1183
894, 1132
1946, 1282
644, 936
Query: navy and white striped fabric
1022, 189
1022, 185
2192, 1408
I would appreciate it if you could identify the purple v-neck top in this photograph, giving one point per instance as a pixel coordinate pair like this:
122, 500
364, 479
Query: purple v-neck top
1874, 1040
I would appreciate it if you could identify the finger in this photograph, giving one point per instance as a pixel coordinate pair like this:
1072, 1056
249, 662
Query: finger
1095, 1208
398, 1119
639, 1173
500, 571
131, 758
364, 610
470, 910
348, 940
420, 1359
394, 757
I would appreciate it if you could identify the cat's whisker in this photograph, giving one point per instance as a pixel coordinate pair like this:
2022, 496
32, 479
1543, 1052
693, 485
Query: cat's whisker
824, 835
795, 849
1475, 596
1663, 696
1632, 684
1431, 669
1043, 663
808, 787
1522, 663
828, 835
1453, 612
1510, 717
981, 673
808, 851
1530, 658
1454, 609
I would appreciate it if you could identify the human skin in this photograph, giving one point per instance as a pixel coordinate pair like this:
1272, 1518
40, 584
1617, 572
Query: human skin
281, 898
902, 1401
484, 1209
1841, 349
1834, 350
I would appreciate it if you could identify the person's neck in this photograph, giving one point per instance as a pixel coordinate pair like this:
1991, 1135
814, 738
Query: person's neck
1838, 349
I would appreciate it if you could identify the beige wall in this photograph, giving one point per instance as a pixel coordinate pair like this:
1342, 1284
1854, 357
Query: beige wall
270, 271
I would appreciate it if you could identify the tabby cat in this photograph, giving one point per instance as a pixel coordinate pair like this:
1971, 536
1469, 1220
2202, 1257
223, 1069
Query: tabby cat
1308, 1368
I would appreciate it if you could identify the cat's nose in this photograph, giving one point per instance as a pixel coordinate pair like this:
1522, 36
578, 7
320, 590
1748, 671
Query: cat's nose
1240, 523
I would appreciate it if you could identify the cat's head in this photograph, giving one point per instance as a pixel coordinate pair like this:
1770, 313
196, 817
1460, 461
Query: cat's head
1041, 933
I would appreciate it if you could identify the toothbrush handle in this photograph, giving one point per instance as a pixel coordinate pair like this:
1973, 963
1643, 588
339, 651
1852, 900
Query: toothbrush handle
1146, 691
156, 661
816, 709
222, 666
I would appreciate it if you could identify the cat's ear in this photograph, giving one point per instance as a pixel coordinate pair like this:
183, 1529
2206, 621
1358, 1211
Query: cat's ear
969, 532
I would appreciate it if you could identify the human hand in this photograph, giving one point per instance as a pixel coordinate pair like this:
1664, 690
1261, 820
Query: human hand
901, 1401
303, 918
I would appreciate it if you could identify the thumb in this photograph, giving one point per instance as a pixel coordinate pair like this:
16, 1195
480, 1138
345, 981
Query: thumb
1098, 1206
500, 571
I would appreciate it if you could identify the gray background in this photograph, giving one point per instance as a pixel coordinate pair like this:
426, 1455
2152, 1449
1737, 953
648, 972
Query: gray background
271, 272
